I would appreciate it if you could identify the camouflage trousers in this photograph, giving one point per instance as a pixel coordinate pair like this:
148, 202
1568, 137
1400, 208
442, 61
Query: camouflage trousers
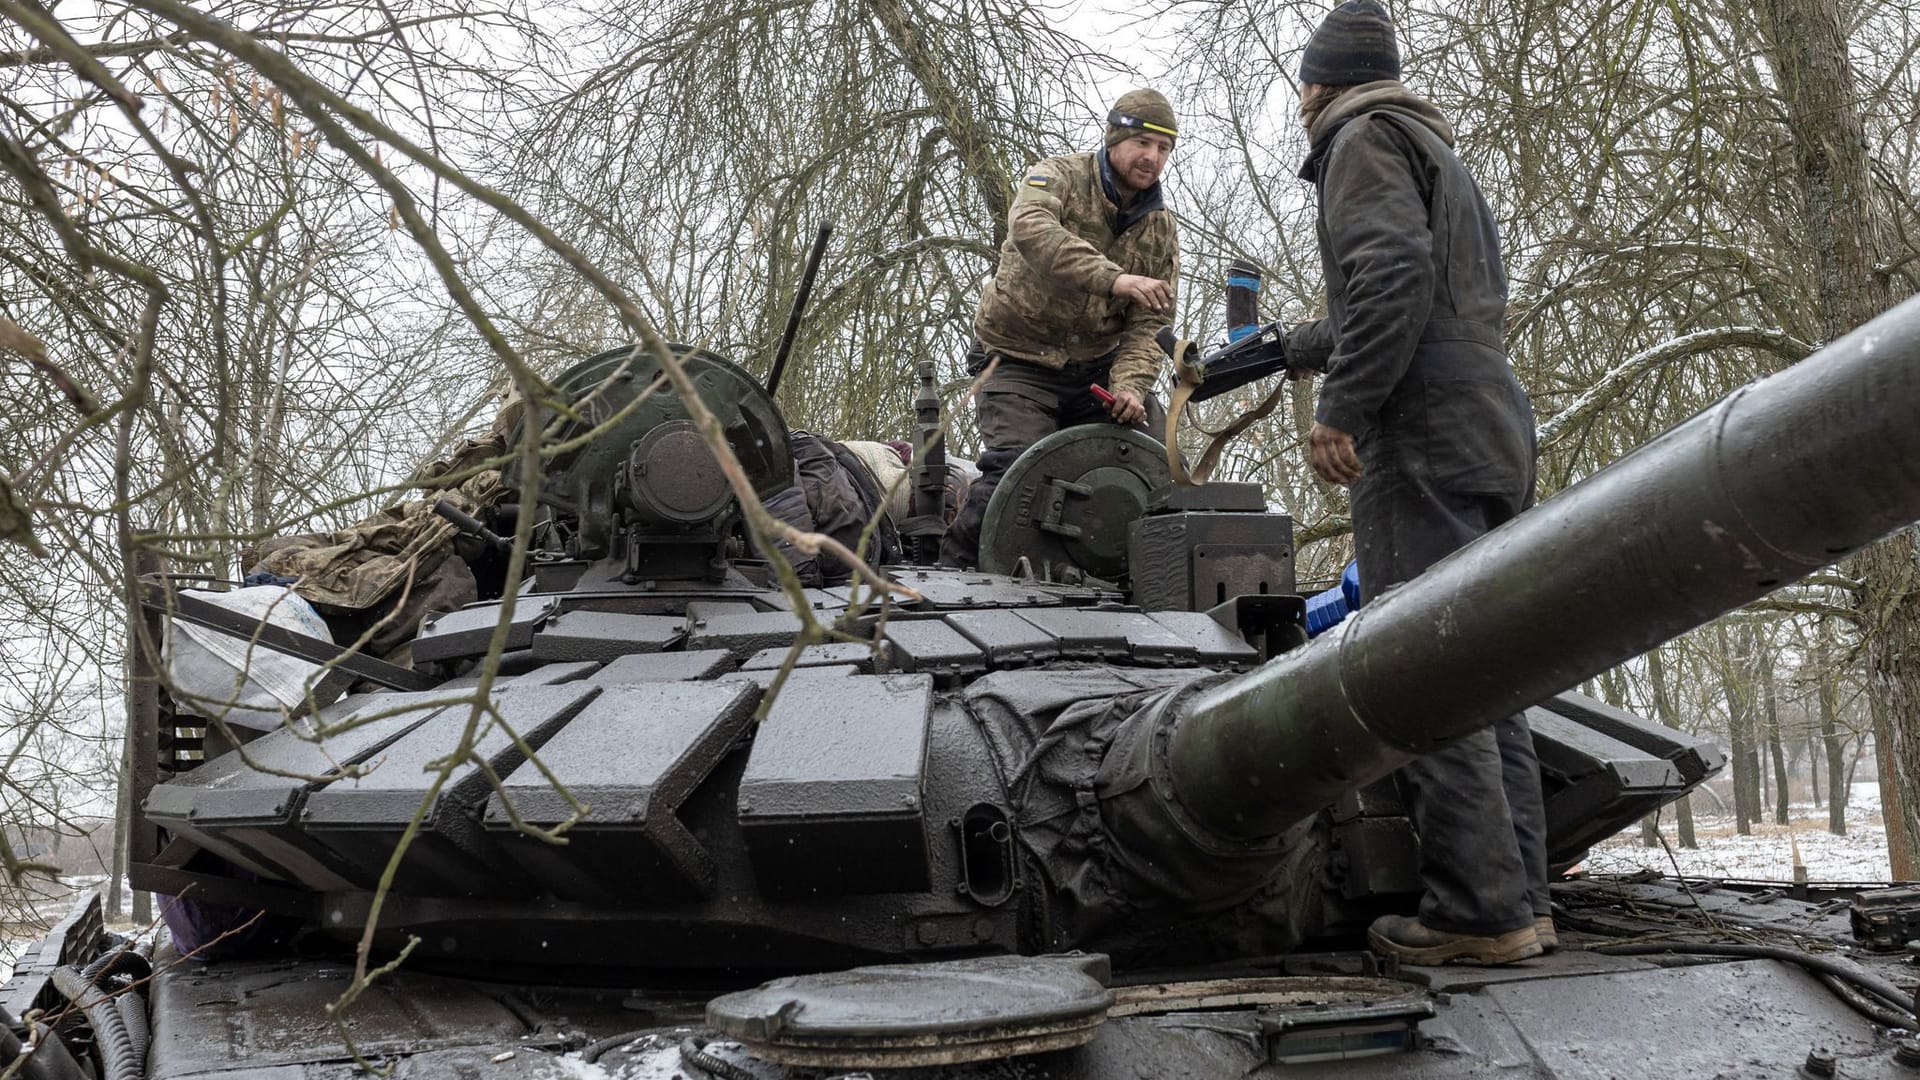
1019, 405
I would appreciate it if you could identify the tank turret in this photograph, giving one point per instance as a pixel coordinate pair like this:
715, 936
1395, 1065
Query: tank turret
1141, 759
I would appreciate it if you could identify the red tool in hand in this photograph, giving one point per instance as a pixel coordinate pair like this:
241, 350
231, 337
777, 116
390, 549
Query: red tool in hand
1102, 393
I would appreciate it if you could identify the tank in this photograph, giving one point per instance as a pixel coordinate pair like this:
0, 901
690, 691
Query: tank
1099, 809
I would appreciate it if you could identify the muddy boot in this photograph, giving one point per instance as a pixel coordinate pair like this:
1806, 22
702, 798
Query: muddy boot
1543, 929
1414, 943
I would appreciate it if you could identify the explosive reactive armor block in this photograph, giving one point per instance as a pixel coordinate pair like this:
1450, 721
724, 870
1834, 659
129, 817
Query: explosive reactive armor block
362, 819
833, 793
631, 758
242, 806
834, 654
467, 632
931, 646
605, 635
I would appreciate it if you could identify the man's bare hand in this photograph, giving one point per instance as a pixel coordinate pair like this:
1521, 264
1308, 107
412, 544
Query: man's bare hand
1126, 408
1332, 454
1302, 374
1149, 292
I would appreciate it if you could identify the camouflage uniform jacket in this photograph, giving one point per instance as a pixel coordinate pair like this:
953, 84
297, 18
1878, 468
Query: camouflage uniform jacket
1051, 302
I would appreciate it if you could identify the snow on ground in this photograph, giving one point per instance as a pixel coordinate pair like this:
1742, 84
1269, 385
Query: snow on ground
571, 1067
1768, 853
659, 1059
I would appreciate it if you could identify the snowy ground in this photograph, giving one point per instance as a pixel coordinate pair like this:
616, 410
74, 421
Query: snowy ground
1768, 853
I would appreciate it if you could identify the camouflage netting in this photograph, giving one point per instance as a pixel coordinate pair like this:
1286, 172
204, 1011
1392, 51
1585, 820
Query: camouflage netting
379, 578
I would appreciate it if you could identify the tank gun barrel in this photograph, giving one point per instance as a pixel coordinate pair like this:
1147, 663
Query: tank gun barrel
1773, 482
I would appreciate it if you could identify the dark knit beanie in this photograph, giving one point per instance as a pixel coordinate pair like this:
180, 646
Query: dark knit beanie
1353, 45
1138, 111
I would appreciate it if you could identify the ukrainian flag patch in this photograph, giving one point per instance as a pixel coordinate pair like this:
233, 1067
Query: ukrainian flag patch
1036, 180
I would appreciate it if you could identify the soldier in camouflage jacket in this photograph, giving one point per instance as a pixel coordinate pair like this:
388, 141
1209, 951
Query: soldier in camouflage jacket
1087, 277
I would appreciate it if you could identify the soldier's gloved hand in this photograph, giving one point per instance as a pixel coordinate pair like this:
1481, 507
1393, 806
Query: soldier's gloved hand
1126, 408
1332, 454
1151, 293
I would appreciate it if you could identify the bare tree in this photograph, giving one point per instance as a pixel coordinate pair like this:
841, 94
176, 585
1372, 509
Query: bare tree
900, 121
1849, 231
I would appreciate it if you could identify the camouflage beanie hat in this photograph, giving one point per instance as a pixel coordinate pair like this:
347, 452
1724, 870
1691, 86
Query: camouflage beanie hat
1353, 45
1138, 111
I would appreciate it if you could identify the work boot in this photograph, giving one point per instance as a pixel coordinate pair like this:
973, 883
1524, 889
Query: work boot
1415, 943
1543, 929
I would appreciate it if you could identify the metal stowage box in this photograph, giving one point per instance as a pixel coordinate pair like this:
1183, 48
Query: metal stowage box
1201, 546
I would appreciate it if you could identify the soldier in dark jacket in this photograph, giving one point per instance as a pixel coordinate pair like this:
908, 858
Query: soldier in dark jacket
1421, 414
834, 493
1087, 277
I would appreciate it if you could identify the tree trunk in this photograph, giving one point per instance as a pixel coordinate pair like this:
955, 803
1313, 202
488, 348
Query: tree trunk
1782, 791
1846, 236
972, 140
1613, 688
1756, 723
1832, 747
1650, 830
1738, 762
1894, 693
1742, 759
1813, 770
1663, 712
122, 814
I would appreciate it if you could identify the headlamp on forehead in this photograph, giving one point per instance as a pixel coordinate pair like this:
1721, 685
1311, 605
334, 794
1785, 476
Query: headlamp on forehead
1118, 119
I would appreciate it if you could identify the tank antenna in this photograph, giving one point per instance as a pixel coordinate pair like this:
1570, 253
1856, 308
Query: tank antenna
799, 307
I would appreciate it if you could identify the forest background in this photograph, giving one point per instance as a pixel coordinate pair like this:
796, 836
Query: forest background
262, 258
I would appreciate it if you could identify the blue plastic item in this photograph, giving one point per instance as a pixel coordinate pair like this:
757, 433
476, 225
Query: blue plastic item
1326, 609
1243, 301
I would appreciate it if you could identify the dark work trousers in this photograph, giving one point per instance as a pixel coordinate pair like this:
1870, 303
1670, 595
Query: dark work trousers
1019, 405
1476, 803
